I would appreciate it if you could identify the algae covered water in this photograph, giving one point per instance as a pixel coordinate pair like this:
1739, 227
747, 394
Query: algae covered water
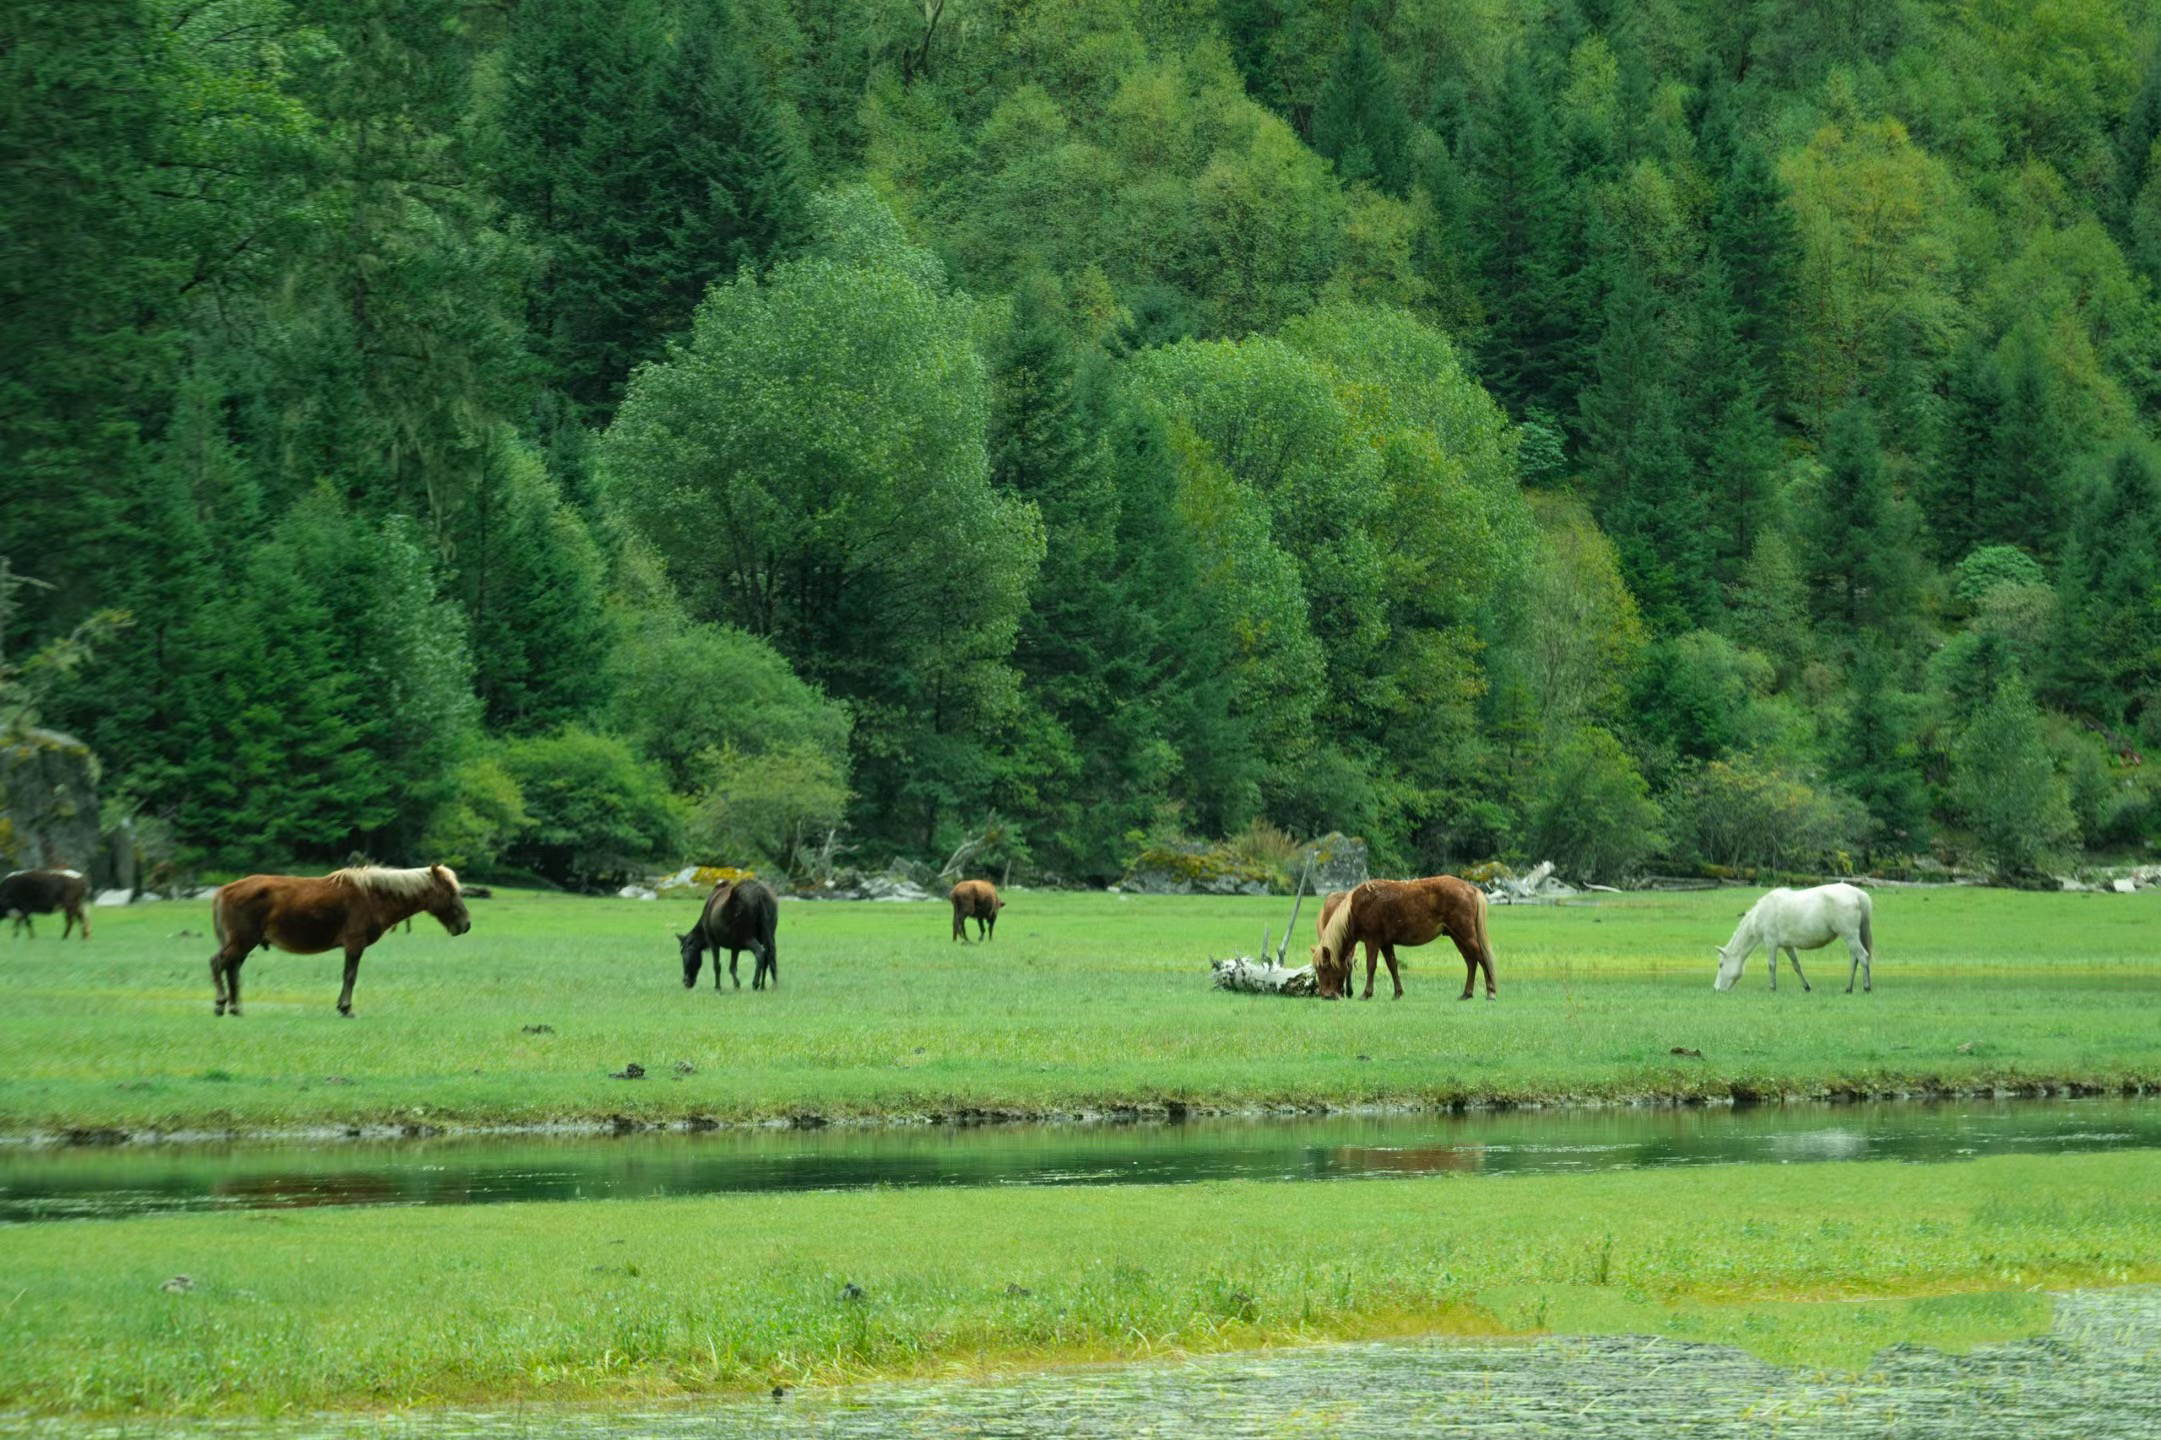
48, 1183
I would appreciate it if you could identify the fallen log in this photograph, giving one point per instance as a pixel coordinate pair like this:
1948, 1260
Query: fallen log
1247, 976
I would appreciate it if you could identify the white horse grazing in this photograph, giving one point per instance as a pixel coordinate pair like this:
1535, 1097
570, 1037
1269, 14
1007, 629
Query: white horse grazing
1793, 920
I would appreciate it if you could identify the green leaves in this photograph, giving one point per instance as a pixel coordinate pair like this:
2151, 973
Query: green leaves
811, 466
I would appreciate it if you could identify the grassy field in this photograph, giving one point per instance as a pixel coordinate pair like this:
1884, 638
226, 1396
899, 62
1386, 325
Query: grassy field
363, 1308
1082, 1002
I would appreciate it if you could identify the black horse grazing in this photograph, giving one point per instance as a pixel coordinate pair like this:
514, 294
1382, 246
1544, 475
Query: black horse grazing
739, 915
41, 892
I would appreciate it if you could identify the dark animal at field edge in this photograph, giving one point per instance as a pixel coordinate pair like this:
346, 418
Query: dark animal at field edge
739, 915
975, 900
345, 910
1382, 914
42, 892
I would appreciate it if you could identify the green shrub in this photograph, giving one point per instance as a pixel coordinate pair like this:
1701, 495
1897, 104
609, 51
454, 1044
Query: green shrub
595, 814
1591, 813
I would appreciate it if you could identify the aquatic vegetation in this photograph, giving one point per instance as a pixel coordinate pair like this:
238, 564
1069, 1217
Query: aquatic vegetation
633, 1299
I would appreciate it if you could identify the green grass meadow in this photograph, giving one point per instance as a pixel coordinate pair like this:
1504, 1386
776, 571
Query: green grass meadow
1083, 1001
635, 1300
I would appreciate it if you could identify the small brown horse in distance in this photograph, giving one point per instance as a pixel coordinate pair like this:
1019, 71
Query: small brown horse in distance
308, 914
1382, 914
975, 900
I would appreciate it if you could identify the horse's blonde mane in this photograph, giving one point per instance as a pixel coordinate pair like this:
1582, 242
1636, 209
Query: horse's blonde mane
1339, 926
383, 880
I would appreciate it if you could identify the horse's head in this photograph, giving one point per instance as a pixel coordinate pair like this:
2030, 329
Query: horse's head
1328, 975
693, 945
447, 901
1730, 958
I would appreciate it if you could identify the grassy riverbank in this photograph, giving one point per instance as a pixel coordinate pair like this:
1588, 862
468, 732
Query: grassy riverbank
366, 1308
1082, 1002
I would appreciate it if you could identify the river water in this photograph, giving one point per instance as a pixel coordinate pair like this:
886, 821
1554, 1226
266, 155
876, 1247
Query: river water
49, 1183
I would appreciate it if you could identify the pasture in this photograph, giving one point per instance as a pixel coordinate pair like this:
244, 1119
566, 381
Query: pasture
1082, 1002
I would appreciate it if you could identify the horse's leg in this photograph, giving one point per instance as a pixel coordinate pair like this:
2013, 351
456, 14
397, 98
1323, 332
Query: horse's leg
1373, 963
733, 955
1388, 953
1793, 958
1853, 965
217, 979
232, 985
1470, 966
1774, 967
352, 973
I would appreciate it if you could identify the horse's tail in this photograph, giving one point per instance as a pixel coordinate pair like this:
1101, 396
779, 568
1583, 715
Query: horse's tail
1481, 940
1868, 937
1336, 933
217, 916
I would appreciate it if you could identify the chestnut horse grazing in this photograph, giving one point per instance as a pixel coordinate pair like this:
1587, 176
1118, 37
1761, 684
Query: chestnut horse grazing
1383, 914
41, 892
975, 900
306, 915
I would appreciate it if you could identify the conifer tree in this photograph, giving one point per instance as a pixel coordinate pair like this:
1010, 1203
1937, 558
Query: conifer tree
1757, 236
1879, 760
1966, 454
2006, 782
1525, 223
2019, 499
1359, 118
642, 146
2107, 662
1638, 462
1857, 539
1732, 428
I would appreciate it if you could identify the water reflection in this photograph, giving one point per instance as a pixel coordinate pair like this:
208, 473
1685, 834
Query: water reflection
43, 1184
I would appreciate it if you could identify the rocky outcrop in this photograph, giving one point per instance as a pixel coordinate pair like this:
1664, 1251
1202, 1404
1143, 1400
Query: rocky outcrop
48, 802
1339, 862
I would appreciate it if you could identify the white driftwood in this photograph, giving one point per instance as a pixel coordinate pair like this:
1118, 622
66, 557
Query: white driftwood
1248, 976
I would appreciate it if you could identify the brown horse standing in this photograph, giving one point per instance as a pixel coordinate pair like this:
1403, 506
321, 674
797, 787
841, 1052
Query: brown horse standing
1386, 913
306, 915
975, 900
41, 892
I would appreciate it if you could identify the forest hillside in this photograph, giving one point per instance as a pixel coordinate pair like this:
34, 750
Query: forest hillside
568, 437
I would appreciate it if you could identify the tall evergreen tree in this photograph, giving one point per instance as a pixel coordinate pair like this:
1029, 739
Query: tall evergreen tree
2006, 782
1637, 459
1525, 226
1878, 760
1966, 455
1755, 232
2107, 661
87, 268
2019, 499
1359, 118
641, 145
1857, 537
1735, 437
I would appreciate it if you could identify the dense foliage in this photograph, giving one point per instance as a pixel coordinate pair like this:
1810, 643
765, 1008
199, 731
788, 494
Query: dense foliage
571, 433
